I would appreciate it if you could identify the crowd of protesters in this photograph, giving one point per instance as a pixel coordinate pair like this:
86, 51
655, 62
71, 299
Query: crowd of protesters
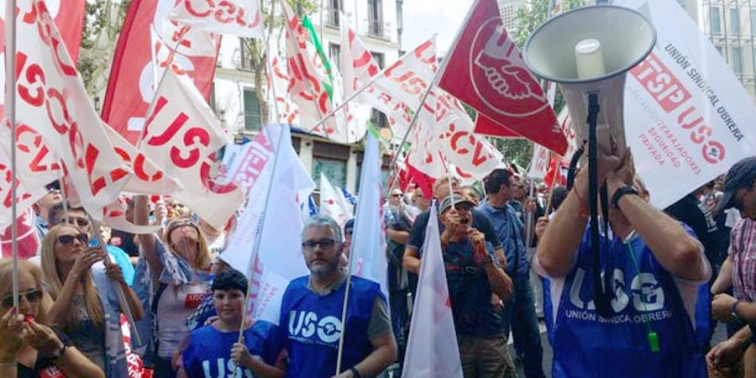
645, 303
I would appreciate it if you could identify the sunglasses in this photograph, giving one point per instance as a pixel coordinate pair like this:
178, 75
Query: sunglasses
81, 222
181, 223
69, 239
33, 295
324, 244
396, 195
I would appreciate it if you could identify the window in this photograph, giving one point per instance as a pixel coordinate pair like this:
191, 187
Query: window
734, 21
737, 61
375, 18
378, 119
245, 60
334, 7
721, 52
334, 54
753, 22
379, 59
252, 119
716, 26
333, 169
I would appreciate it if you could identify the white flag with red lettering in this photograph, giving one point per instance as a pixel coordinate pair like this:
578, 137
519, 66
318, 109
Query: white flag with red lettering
486, 71
288, 112
333, 203
147, 178
539, 164
308, 81
472, 154
432, 349
51, 99
357, 69
241, 18
181, 136
26, 195
409, 78
37, 166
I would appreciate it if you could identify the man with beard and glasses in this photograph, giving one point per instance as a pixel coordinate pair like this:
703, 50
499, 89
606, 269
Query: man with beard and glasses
311, 310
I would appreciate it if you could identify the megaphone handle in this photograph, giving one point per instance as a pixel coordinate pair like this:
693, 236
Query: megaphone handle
599, 291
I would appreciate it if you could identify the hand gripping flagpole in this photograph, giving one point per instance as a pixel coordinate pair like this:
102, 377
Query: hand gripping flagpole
10, 112
279, 148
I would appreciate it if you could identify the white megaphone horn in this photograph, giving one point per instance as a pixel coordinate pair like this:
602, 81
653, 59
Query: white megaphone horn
589, 51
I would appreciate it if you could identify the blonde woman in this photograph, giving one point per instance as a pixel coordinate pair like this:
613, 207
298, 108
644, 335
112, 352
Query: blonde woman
28, 346
86, 304
177, 283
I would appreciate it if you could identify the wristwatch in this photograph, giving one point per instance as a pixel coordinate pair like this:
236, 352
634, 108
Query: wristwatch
734, 311
621, 192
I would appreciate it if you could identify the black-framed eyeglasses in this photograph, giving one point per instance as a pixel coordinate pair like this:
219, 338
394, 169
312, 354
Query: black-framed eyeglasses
324, 244
81, 222
396, 195
33, 295
68, 239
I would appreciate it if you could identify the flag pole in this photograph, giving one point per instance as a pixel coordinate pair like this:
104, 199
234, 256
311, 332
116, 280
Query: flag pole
415, 117
356, 93
10, 111
118, 289
264, 215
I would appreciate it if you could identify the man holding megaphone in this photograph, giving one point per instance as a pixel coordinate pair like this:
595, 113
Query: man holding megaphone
651, 268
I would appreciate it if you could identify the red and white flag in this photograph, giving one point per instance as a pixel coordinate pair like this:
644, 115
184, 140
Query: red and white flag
288, 112
37, 166
539, 164
69, 18
333, 203
308, 80
471, 153
51, 99
241, 18
358, 67
486, 71
432, 349
26, 195
409, 77
130, 87
182, 136
147, 178
28, 238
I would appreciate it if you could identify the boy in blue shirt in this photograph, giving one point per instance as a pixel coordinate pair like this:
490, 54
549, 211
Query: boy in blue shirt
213, 350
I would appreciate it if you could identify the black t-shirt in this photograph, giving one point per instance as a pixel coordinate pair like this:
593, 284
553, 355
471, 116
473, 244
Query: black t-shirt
43, 362
479, 221
695, 214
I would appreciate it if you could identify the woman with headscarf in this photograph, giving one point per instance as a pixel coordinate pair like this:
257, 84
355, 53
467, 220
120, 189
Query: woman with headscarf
28, 346
86, 306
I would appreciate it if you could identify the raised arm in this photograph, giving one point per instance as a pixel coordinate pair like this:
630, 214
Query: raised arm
676, 250
147, 242
64, 302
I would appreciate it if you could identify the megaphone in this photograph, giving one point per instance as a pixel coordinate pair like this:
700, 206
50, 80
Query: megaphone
588, 51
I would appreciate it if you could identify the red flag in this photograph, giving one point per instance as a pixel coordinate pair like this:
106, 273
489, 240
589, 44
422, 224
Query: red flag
486, 71
130, 87
28, 239
487, 126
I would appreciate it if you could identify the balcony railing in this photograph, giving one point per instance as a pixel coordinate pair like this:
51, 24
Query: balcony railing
332, 17
375, 28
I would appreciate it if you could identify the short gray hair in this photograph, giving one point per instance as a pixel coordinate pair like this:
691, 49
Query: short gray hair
323, 221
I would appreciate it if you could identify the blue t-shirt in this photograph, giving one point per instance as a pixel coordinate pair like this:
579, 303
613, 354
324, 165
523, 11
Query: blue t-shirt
121, 258
470, 292
208, 353
310, 326
508, 228
646, 299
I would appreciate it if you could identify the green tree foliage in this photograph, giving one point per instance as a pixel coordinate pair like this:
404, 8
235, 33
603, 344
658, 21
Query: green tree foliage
102, 24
